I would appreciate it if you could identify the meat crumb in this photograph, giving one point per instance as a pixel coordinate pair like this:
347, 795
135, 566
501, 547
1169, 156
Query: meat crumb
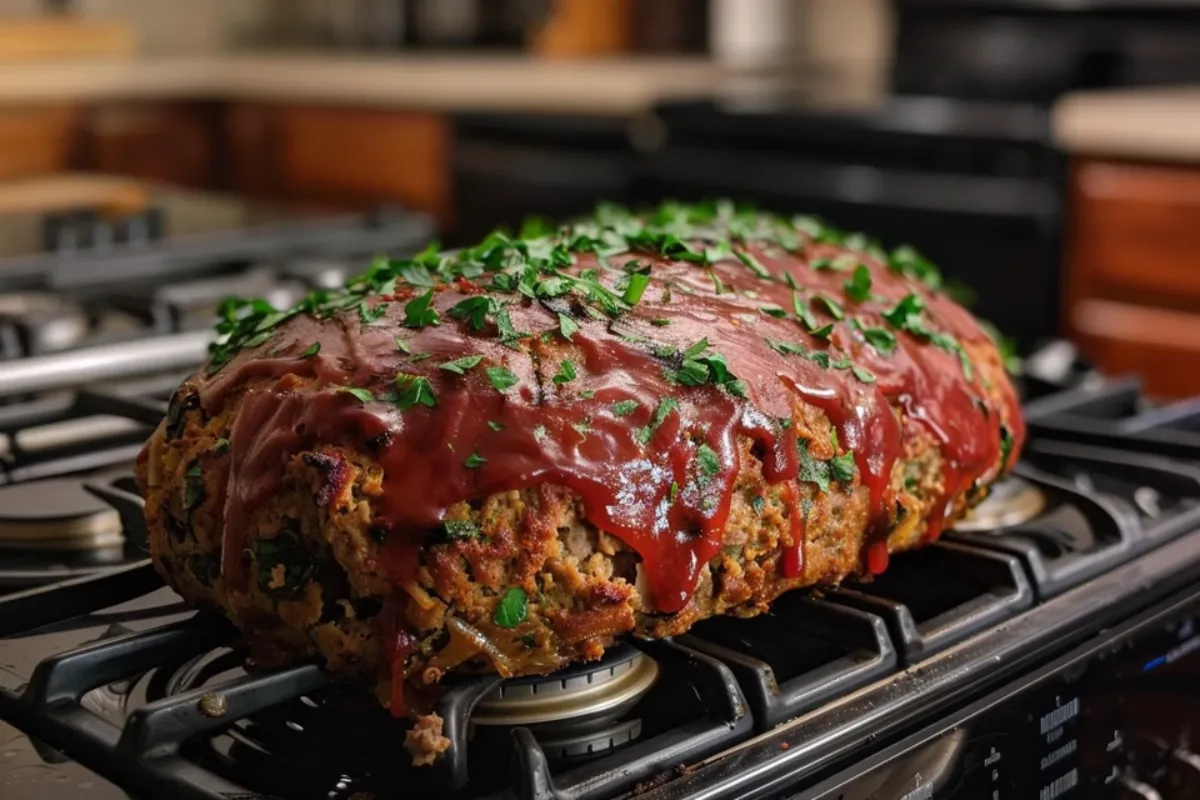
425, 741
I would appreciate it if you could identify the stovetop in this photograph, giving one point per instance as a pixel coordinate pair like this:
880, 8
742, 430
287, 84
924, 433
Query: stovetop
84, 277
147, 696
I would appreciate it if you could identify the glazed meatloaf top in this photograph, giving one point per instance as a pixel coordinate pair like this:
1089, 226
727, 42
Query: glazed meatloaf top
695, 324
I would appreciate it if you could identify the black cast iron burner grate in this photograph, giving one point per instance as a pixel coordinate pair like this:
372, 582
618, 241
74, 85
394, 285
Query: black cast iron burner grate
167, 747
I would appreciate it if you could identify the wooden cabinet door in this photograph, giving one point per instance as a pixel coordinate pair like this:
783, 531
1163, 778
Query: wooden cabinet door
1133, 281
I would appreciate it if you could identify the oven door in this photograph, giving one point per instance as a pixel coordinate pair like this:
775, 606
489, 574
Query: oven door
998, 235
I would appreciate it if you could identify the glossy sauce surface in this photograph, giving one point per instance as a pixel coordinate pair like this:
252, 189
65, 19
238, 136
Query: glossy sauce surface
647, 483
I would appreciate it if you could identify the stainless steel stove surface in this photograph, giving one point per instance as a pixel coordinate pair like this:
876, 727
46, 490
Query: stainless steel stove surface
85, 277
109, 684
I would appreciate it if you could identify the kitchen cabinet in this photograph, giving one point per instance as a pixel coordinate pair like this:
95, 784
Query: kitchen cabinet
1132, 298
341, 156
36, 140
163, 142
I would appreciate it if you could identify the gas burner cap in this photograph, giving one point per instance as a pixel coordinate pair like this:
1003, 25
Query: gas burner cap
57, 515
52, 323
594, 692
1012, 501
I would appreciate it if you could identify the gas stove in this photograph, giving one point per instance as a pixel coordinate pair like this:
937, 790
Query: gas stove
967, 670
101, 315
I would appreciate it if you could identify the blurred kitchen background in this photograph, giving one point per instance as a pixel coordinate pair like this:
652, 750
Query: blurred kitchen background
1046, 153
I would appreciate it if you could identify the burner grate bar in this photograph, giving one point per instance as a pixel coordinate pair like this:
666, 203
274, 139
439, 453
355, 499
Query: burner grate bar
159, 728
865, 636
67, 677
76, 367
33, 608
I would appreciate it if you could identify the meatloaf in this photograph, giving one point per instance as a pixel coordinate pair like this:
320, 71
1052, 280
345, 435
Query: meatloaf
504, 457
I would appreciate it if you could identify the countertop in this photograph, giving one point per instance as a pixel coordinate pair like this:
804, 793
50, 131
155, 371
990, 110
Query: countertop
444, 83
1160, 124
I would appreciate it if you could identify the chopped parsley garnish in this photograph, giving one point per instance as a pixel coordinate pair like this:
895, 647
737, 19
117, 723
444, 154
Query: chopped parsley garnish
718, 286
496, 426
660, 323
193, 488
567, 326
474, 310
843, 467
370, 314
832, 306
460, 529
420, 356
820, 358
756, 266
362, 395
566, 373
1006, 445
787, 348
823, 332
803, 311
474, 461
419, 311
312, 350
510, 611
881, 339
908, 315
858, 287
673, 492
772, 310
502, 378
624, 408
638, 282
811, 469
459, 366
220, 447
414, 390
587, 394
665, 407
706, 457
402, 345
908, 262
863, 374
508, 334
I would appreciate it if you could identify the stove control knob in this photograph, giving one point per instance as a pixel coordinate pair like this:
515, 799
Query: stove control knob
1126, 788
1181, 780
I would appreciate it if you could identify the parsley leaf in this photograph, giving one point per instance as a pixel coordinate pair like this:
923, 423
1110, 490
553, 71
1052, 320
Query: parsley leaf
460, 529
368, 314
363, 395
812, 470
881, 339
863, 374
502, 378
565, 374
312, 350
496, 426
772, 310
474, 461
832, 306
624, 408
706, 457
402, 345
567, 326
637, 287
665, 407
414, 390
858, 287
843, 466
419, 312
823, 332
756, 266
510, 611
459, 366
803, 312
474, 310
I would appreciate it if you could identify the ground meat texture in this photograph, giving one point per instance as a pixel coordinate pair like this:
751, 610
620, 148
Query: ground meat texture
545, 450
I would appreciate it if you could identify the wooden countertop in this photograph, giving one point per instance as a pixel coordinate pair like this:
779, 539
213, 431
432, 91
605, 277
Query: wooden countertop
1161, 124
449, 83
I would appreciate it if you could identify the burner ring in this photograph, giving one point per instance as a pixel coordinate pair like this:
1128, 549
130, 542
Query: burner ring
601, 690
1012, 501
